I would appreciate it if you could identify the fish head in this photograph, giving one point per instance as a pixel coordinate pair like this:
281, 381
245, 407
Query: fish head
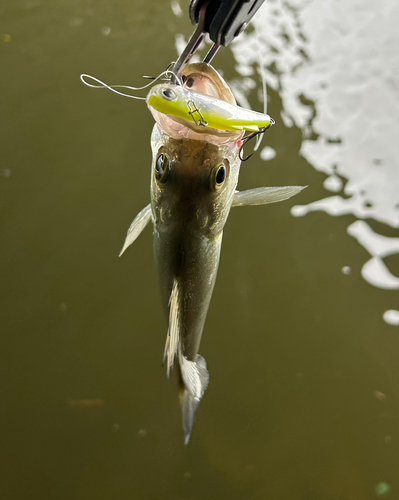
192, 184
197, 77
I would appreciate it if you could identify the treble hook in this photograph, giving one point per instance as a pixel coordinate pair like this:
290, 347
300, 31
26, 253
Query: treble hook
250, 136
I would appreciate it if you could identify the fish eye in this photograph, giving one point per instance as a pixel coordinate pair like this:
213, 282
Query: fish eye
162, 167
189, 82
221, 174
168, 94
218, 176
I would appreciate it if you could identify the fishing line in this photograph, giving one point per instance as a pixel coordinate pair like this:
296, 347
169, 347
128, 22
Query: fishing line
260, 133
261, 71
112, 88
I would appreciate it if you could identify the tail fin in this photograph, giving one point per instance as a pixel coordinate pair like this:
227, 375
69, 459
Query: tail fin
195, 379
194, 375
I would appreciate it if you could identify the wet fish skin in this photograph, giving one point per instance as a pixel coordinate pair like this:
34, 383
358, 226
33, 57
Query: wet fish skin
188, 217
257, 196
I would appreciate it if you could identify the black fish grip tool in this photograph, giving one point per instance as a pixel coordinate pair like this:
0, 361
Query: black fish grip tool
223, 20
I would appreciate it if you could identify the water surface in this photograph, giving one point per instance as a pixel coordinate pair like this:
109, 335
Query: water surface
303, 398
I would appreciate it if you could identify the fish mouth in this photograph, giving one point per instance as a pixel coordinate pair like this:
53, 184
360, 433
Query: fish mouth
204, 79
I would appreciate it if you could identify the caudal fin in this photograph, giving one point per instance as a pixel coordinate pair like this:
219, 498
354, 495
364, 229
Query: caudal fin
194, 375
195, 379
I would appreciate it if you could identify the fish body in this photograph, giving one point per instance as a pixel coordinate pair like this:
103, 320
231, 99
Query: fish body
193, 187
190, 203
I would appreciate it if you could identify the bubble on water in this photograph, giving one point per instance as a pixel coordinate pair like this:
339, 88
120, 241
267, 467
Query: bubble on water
382, 488
6, 172
6, 38
379, 395
176, 9
391, 317
75, 22
333, 183
62, 307
268, 153
105, 30
142, 433
346, 270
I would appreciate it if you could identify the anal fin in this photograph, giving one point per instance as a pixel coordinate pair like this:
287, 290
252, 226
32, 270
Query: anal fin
172, 337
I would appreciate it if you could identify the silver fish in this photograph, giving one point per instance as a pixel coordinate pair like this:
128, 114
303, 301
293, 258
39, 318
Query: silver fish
193, 187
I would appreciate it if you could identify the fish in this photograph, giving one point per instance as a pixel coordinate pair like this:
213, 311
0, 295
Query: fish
193, 187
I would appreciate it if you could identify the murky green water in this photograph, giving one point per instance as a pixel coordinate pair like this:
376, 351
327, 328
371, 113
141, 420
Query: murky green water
303, 399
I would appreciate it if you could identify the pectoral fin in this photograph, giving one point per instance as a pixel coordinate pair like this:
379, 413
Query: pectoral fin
137, 226
264, 195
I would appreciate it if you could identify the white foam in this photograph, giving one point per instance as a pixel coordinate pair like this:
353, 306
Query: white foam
391, 317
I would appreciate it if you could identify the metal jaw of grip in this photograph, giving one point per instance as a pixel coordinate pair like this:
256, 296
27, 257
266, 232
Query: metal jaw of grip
193, 43
224, 19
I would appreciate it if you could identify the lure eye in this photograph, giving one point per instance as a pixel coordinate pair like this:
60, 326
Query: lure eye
218, 176
162, 167
168, 94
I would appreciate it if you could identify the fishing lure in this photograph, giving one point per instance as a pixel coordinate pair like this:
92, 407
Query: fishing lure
205, 110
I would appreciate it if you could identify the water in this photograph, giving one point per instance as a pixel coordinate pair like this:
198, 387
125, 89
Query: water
302, 402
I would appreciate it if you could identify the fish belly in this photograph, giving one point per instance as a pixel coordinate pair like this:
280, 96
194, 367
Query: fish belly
192, 260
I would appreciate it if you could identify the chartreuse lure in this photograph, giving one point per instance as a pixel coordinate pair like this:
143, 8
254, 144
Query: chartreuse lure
189, 105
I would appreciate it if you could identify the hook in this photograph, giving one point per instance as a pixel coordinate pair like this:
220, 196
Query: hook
250, 136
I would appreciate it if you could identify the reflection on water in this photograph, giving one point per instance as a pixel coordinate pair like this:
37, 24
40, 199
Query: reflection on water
336, 67
375, 271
